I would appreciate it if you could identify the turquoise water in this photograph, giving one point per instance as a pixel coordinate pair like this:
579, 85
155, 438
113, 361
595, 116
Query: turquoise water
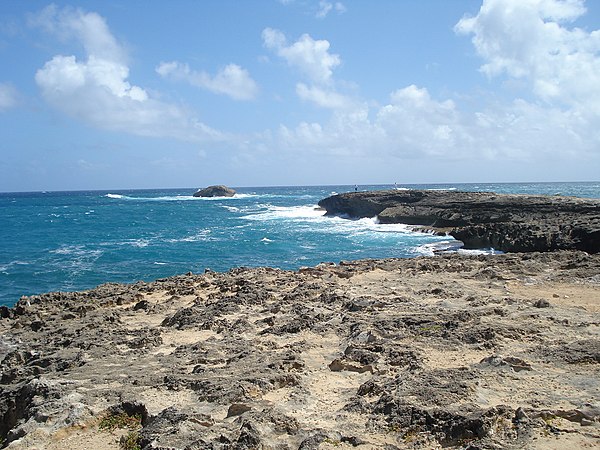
64, 241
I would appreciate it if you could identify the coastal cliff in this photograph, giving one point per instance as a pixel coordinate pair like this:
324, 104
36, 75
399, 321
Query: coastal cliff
451, 351
511, 223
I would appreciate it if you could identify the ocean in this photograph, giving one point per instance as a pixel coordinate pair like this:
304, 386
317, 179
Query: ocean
67, 241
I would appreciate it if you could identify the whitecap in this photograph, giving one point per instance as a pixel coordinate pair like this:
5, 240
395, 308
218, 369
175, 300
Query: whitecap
199, 236
235, 197
266, 239
481, 251
431, 248
178, 198
140, 243
306, 212
76, 258
76, 250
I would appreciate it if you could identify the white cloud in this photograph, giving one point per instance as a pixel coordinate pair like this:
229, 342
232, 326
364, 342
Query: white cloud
526, 41
232, 80
8, 97
413, 125
96, 89
88, 28
313, 59
324, 98
531, 40
326, 7
310, 56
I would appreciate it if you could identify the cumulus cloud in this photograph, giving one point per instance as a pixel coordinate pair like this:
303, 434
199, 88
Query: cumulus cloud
412, 124
96, 89
313, 59
88, 28
326, 7
415, 125
232, 80
325, 98
532, 41
310, 56
8, 96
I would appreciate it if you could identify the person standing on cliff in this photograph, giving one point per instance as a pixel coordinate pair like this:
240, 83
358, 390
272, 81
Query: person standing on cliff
356, 188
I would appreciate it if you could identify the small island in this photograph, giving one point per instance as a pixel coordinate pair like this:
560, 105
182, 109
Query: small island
215, 191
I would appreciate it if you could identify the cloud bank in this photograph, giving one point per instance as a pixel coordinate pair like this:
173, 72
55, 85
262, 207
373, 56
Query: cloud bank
530, 41
96, 89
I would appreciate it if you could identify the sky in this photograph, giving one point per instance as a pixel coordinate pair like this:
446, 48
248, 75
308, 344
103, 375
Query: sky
138, 94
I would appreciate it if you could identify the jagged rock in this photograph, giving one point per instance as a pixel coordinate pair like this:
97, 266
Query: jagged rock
338, 365
511, 223
517, 364
237, 409
542, 303
394, 354
215, 191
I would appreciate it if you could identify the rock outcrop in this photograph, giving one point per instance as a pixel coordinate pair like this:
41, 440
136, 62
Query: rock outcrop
511, 223
445, 352
215, 191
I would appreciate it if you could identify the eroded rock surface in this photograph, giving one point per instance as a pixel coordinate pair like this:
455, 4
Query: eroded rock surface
215, 191
507, 222
444, 352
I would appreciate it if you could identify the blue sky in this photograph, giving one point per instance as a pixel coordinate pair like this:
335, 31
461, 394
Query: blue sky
138, 94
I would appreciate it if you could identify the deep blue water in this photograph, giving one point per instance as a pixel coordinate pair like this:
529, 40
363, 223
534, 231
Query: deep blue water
63, 241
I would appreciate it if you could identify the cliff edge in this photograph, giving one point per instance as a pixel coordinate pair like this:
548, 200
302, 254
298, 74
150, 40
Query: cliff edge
507, 222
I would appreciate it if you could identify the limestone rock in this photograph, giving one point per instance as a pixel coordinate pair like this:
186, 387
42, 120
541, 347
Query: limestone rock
215, 191
397, 353
511, 223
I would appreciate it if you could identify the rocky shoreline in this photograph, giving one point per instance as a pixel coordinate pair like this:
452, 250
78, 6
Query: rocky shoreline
450, 351
507, 222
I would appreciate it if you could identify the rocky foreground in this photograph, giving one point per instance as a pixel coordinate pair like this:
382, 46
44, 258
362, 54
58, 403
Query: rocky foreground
507, 222
473, 352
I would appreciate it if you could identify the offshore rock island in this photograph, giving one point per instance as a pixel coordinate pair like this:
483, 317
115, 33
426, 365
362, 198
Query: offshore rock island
452, 351
215, 191
506, 222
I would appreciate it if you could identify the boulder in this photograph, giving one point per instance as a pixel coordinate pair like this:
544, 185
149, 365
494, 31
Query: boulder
215, 191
